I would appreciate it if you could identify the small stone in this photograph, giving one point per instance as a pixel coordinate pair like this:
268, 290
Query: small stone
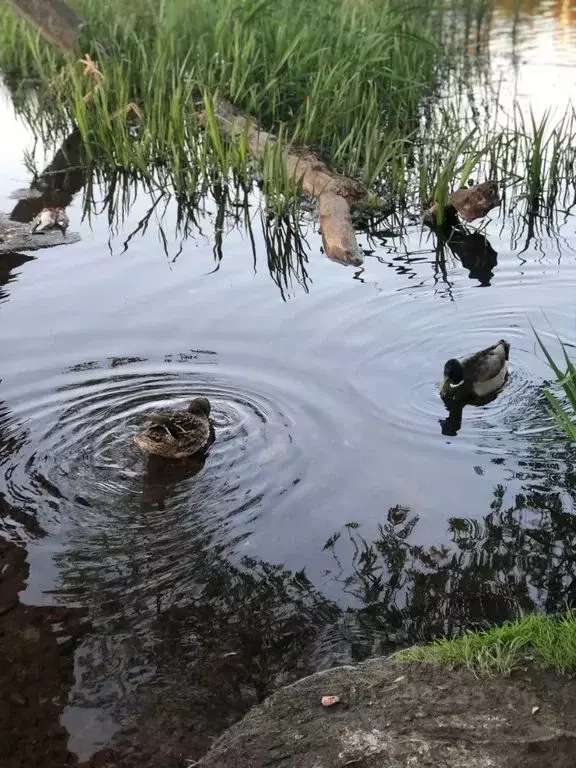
535, 709
329, 701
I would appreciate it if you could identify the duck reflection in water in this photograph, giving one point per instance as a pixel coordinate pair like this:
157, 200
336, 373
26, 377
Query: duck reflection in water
162, 477
472, 248
476, 255
452, 424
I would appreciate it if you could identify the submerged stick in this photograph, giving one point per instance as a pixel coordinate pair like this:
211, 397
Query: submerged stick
334, 192
54, 19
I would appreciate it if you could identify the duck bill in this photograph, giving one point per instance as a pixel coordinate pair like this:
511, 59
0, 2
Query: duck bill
445, 388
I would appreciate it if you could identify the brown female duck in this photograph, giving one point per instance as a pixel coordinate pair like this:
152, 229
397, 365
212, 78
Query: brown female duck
178, 434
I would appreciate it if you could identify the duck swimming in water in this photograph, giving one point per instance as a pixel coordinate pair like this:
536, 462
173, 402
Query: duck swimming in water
178, 434
477, 376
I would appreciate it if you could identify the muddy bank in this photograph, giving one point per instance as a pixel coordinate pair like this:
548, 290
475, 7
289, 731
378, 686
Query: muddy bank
400, 715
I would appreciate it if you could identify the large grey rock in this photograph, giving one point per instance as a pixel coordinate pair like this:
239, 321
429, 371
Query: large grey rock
394, 716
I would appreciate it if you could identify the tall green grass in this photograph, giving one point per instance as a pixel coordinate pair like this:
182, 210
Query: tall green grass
381, 89
344, 78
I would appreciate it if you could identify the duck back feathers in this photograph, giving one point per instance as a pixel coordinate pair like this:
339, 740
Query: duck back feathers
178, 434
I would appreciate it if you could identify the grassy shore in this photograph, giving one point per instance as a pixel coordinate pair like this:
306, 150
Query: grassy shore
377, 88
547, 642
347, 79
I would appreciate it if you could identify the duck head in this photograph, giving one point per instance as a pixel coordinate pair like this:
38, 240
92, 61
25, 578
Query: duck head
200, 406
453, 377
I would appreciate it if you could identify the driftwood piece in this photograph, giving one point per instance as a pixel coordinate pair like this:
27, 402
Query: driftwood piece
54, 19
334, 192
337, 229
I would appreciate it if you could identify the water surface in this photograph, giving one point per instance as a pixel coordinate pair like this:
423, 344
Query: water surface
337, 515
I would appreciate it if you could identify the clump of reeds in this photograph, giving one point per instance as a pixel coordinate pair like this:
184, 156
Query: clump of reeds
346, 79
376, 89
563, 412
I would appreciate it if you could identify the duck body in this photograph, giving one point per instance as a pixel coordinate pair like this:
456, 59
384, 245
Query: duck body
477, 376
48, 219
178, 434
476, 200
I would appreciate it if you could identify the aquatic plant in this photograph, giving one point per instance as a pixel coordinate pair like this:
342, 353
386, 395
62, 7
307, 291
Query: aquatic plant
384, 93
346, 79
563, 412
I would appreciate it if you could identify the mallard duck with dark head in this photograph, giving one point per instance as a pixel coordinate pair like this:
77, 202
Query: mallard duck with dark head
178, 434
477, 376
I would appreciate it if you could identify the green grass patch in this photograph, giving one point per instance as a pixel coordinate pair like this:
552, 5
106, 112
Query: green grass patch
544, 641
383, 90
344, 78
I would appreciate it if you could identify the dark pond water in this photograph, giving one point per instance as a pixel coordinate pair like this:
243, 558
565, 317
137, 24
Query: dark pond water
333, 518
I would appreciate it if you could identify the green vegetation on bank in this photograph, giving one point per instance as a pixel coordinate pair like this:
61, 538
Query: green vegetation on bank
347, 79
380, 89
545, 641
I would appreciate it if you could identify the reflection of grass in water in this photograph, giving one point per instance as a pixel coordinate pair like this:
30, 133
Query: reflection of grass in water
283, 235
549, 642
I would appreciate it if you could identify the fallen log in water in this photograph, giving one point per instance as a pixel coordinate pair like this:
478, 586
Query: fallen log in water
335, 193
54, 19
